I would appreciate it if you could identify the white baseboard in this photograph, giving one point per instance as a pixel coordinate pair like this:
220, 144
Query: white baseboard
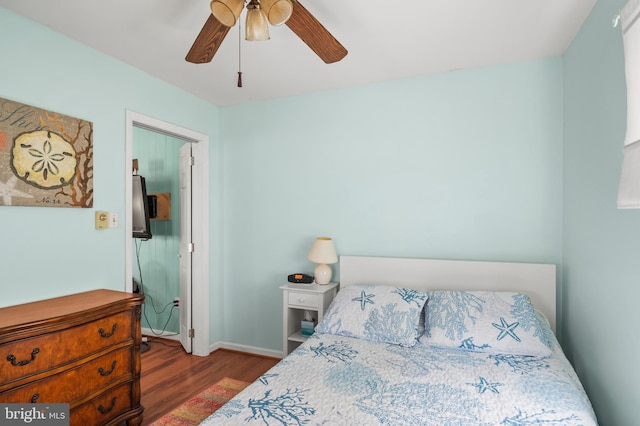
170, 335
146, 332
247, 349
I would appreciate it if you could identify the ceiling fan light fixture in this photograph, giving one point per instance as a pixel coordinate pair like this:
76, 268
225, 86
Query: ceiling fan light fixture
256, 27
277, 11
227, 11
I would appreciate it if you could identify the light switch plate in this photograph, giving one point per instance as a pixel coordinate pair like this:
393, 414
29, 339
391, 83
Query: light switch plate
113, 220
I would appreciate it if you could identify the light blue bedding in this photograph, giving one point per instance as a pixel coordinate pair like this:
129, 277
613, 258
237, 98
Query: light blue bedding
340, 380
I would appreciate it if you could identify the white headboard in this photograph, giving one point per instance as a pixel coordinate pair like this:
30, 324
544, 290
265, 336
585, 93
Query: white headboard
536, 280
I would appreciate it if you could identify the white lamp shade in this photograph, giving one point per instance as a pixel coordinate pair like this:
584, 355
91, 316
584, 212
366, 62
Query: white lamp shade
323, 251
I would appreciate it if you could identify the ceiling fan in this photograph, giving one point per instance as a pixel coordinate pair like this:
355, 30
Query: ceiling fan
225, 14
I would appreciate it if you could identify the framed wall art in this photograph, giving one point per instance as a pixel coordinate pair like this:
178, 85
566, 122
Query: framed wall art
46, 158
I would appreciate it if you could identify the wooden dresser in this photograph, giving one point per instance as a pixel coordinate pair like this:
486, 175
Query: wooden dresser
82, 349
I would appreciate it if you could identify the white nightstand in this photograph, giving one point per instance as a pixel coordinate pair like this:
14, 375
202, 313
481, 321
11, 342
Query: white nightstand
298, 298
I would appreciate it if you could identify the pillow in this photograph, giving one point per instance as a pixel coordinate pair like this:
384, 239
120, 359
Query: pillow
492, 322
376, 313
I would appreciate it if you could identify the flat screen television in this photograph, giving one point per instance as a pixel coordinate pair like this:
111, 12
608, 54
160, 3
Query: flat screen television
140, 205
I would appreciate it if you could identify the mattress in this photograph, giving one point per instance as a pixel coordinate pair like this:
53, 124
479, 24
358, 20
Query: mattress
338, 380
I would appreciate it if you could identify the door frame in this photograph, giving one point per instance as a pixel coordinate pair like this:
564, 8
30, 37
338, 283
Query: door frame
200, 219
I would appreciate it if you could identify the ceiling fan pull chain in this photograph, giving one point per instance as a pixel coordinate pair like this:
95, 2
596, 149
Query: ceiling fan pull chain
239, 55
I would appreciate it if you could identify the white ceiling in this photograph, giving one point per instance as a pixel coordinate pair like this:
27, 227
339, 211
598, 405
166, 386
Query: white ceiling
386, 40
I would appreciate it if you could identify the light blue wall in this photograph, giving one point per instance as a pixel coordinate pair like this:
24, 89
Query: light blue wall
464, 165
601, 244
46, 252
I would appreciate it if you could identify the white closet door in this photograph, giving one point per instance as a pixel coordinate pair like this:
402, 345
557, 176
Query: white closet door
186, 248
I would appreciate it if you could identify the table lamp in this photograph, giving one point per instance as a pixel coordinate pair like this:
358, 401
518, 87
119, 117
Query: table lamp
323, 253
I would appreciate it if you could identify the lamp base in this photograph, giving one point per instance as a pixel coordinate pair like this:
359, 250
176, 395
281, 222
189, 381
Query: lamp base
322, 274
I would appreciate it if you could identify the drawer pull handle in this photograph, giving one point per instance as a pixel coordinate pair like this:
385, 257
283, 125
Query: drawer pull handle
106, 373
301, 300
106, 410
35, 397
12, 359
105, 334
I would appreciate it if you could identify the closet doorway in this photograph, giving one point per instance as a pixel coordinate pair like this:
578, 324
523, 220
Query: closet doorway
189, 262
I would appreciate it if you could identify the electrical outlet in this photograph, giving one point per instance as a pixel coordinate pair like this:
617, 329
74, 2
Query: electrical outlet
176, 302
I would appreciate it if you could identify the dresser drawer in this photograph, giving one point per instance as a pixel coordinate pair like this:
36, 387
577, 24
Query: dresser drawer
23, 358
307, 300
75, 383
104, 407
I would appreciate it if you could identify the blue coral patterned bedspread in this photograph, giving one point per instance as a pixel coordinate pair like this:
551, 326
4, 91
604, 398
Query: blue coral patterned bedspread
339, 380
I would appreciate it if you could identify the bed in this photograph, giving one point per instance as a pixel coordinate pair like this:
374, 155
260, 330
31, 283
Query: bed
425, 342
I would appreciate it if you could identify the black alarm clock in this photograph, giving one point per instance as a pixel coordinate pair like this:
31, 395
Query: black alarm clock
300, 279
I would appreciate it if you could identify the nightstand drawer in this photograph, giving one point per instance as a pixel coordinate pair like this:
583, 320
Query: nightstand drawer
307, 300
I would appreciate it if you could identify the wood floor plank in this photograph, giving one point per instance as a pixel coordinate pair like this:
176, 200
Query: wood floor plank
170, 376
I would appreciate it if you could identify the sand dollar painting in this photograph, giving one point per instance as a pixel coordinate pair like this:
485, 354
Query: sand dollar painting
46, 158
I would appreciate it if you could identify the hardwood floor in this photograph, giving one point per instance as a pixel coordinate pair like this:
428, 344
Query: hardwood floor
170, 376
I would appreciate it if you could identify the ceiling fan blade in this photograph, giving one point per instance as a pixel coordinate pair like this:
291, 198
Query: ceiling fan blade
207, 42
315, 35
